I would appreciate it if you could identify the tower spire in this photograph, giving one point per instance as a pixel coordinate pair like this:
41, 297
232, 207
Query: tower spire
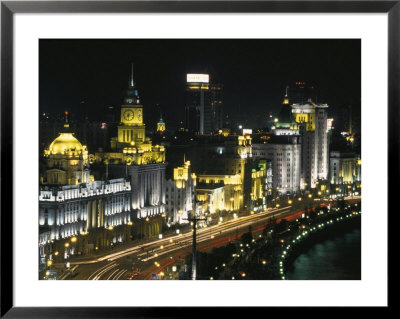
66, 124
132, 95
286, 99
131, 79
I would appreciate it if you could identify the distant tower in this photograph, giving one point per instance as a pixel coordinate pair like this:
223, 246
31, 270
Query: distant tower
203, 104
197, 103
161, 125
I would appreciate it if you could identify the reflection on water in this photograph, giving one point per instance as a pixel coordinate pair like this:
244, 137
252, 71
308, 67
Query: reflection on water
335, 259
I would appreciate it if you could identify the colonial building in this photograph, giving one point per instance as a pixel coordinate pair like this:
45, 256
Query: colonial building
284, 153
180, 195
133, 155
212, 197
312, 121
344, 168
73, 206
283, 150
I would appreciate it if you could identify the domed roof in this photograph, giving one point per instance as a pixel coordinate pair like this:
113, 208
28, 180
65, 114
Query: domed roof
65, 143
285, 118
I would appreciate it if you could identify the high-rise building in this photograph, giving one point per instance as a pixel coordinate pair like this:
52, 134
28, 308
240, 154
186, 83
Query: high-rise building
216, 115
312, 121
203, 104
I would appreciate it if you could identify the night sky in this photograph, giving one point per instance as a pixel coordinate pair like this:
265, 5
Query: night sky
254, 74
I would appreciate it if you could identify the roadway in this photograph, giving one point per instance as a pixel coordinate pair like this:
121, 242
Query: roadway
152, 257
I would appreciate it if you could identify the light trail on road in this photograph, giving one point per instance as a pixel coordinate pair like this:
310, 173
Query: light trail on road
165, 249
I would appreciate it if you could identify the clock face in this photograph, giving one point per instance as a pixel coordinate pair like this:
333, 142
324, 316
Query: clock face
139, 114
128, 115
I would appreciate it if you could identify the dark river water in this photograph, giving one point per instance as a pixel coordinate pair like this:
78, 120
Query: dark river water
338, 258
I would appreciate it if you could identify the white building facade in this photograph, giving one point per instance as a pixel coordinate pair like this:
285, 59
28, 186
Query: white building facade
284, 154
312, 121
180, 195
344, 168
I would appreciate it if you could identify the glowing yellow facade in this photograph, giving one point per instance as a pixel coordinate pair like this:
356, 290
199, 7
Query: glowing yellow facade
66, 144
344, 168
181, 175
257, 178
66, 160
161, 125
213, 197
198, 86
244, 146
131, 146
305, 114
233, 190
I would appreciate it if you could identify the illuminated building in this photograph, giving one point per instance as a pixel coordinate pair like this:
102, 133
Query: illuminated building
232, 191
180, 194
259, 185
73, 204
229, 165
160, 126
203, 104
283, 150
66, 160
312, 121
212, 196
285, 123
244, 146
330, 124
133, 156
284, 153
344, 168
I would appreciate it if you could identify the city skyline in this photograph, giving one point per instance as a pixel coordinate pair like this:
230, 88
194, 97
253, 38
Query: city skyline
123, 198
253, 73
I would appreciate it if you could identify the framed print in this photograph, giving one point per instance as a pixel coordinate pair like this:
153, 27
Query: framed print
159, 155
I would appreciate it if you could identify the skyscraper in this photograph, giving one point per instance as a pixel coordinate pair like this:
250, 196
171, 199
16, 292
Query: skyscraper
203, 104
216, 114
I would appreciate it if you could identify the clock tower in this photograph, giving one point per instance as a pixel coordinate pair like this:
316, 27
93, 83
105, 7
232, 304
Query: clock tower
132, 130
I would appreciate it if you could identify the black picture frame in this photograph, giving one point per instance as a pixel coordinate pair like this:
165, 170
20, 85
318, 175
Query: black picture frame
9, 8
